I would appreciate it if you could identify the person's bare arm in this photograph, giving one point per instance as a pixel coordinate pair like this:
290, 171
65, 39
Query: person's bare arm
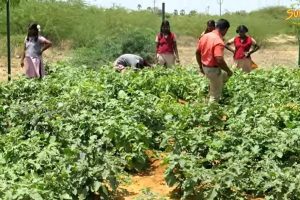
228, 47
23, 56
156, 56
156, 45
229, 44
156, 50
223, 65
47, 45
198, 57
254, 49
176, 52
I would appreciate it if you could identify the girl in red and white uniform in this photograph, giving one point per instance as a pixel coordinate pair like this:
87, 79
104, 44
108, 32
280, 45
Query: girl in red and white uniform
244, 45
166, 46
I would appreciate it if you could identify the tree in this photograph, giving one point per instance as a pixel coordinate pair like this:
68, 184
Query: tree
149, 9
12, 3
139, 6
175, 12
182, 12
193, 13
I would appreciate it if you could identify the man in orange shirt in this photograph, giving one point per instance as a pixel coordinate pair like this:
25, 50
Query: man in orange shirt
210, 57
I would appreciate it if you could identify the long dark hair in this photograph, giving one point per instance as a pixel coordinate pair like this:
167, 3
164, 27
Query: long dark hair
33, 26
165, 23
242, 28
210, 23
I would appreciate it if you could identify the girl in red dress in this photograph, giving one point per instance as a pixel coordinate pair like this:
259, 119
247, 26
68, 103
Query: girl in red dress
244, 45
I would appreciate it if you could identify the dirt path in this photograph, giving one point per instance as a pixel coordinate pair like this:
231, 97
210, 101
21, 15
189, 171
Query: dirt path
147, 185
281, 51
51, 55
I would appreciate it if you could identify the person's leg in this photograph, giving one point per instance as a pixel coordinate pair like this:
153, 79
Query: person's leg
170, 59
224, 76
30, 68
42, 70
239, 64
217, 79
247, 65
244, 65
235, 64
160, 60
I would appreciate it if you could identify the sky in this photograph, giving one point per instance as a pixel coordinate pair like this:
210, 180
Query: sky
204, 6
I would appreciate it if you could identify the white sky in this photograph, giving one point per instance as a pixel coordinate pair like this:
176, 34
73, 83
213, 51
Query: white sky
199, 5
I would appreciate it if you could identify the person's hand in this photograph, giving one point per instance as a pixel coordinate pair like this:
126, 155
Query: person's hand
201, 73
156, 59
247, 54
229, 73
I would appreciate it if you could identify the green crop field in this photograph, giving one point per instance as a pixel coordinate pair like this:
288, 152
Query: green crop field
79, 131
75, 132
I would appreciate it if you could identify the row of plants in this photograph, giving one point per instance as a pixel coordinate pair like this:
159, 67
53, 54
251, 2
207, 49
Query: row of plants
73, 134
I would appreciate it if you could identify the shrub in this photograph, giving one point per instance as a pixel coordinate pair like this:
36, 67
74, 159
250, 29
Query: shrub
104, 50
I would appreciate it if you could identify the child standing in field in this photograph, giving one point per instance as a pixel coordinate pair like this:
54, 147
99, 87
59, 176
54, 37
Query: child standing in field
210, 26
244, 47
34, 46
166, 46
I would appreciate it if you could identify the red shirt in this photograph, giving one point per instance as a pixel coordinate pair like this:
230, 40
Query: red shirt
165, 43
211, 45
242, 46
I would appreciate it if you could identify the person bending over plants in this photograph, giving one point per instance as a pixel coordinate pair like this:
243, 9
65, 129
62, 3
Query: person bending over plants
130, 61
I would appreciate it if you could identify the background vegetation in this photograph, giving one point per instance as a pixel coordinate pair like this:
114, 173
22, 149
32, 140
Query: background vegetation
105, 31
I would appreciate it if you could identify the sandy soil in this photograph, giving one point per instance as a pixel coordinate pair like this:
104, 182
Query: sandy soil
51, 55
281, 51
151, 180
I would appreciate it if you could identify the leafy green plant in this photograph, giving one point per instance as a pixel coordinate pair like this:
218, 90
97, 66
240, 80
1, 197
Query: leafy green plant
102, 50
71, 135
